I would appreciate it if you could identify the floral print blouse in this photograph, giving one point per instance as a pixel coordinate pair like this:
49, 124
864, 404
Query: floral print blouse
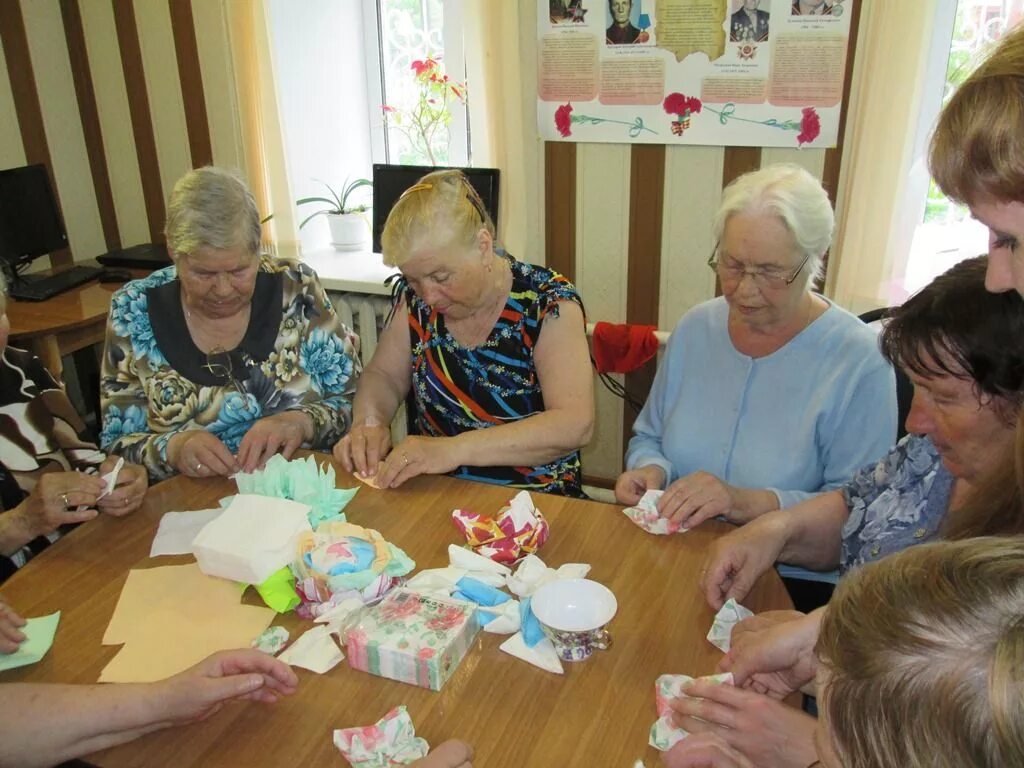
897, 503
155, 382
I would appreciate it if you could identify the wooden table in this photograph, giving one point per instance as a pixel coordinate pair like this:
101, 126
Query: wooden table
66, 323
597, 714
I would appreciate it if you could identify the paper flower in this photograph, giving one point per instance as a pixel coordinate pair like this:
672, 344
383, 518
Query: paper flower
810, 126
299, 480
391, 741
519, 530
563, 119
665, 734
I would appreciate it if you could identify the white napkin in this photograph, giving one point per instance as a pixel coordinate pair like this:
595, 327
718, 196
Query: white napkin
337, 617
111, 478
315, 651
542, 655
479, 567
178, 529
532, 574
732, 613
507, 619
437, 581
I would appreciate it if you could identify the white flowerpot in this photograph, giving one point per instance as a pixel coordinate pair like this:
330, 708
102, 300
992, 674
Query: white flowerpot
349, 231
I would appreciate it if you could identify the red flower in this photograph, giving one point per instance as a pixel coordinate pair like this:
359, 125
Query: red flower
386, 108
563, 121
693, 104
420, 66
675, 104
810, 126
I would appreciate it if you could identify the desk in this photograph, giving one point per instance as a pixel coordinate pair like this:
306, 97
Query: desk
597, 714
68, 322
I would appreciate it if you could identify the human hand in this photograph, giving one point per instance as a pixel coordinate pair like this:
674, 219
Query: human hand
10, 634
693, 499
59, 498
704, 750
199, 691
281, 433
450, 754
773, 652
128, 494
765, 731
634, 483
198, 453
363, 448
417, 456
736, 560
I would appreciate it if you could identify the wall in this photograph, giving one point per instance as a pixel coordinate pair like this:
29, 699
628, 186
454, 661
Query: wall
118, 98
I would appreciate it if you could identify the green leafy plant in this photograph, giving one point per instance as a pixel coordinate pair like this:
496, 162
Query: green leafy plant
336, 204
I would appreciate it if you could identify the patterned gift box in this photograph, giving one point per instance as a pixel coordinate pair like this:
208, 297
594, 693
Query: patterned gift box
413, 638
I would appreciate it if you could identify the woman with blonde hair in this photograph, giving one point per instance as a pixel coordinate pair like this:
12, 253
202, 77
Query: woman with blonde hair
493, 351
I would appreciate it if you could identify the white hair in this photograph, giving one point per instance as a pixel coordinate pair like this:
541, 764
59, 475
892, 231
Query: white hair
796, 197
214, 208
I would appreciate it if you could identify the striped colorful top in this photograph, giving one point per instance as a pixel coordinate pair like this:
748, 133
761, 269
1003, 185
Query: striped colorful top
457, 388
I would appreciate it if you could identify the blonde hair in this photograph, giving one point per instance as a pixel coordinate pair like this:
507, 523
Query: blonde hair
442, 207
211, 207
796, 197
923, 654
977, 150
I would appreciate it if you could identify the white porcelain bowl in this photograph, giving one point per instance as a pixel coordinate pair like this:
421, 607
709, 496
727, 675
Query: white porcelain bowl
574, 605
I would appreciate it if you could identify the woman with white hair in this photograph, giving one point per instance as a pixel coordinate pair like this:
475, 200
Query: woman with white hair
770, 393
223, 359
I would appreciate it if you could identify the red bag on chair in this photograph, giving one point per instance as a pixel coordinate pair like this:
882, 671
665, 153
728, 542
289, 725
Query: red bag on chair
623, 348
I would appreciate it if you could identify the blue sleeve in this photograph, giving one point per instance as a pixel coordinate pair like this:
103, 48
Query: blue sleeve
645, 448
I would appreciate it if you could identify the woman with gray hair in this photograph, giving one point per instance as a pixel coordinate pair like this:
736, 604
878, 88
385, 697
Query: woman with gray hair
216, 363
770, 393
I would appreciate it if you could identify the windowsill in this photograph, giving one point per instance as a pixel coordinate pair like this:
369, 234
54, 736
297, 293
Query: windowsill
354, 271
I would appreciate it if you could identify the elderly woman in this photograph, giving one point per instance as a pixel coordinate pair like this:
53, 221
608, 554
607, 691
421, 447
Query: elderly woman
960, 345
493, 350
920, 663
770, 393
223, 359
49, 470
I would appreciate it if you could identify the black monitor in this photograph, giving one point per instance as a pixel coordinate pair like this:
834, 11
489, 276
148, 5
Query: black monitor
30, 224
390, 181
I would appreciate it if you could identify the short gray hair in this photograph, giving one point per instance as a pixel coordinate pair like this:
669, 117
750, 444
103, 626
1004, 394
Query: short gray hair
214, 208
796, 197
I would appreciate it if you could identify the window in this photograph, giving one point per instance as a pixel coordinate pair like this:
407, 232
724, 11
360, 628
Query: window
946, 233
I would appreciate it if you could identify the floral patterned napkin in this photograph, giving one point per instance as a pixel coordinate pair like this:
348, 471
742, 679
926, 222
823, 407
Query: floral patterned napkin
391, 741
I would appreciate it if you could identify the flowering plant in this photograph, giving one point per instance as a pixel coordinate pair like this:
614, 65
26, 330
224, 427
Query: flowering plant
430, 111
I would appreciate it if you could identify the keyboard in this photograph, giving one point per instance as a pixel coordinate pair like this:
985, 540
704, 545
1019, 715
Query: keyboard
32, 288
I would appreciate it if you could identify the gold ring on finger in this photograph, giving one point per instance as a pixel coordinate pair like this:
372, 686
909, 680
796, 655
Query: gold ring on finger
65, 500
405, 459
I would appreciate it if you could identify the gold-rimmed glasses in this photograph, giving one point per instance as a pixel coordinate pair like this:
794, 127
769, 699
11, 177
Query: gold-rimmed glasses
218, 363
733, 272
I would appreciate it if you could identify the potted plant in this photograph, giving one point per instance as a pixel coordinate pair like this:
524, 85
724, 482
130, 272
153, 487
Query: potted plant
349, 223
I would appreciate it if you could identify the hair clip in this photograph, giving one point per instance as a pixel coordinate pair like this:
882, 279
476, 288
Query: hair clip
417, 188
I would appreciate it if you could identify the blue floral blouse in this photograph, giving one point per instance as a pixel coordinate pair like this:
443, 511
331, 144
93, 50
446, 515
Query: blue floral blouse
897, 503
296, 355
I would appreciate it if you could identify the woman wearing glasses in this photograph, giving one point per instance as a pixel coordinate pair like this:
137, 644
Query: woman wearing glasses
223, 359
770, 393
493, 351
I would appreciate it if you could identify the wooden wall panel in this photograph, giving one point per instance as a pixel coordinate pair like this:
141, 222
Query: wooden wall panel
560, 208
12, 153
190, 77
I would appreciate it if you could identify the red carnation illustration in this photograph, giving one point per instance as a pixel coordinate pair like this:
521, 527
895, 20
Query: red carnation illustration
563, 119
810, 126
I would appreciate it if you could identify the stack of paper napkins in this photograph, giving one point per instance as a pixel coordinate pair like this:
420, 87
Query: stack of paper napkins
253, 538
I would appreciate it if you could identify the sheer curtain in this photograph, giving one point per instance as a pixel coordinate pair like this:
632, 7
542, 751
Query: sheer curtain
501, 72
260, 124
876, 215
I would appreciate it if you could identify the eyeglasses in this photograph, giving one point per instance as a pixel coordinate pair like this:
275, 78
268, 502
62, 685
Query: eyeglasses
733, 272
218, 363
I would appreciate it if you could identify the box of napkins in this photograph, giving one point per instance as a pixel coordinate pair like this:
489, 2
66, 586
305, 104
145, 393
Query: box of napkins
413, 638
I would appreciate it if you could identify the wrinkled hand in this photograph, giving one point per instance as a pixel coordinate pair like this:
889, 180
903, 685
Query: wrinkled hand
634, 483
705, 750
281, 433
363, 448
198, 692
128, 494
695, 498
765, 731
450, 754
773, 652
198, 453
417, 456
58, 498
10, 634
736, 561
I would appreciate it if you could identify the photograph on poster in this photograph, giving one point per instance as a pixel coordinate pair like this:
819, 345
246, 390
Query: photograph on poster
765, 73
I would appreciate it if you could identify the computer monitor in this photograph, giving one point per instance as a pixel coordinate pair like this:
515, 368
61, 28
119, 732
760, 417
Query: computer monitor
30, 223
390, 181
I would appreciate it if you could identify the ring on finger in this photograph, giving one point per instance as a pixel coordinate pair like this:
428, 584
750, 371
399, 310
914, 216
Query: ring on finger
199, 466
65, 500
405, 459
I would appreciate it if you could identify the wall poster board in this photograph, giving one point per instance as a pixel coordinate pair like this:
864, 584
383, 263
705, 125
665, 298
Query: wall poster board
764, 73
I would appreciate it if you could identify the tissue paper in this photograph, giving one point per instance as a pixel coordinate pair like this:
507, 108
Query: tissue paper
519, 530
645, 514
731, 614
664, 733
391, 741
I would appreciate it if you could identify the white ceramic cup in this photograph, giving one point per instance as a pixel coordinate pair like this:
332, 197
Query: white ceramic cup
573, 613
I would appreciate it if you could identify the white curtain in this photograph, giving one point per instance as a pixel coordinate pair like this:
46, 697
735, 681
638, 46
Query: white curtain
260, 123
501, 73
882, 157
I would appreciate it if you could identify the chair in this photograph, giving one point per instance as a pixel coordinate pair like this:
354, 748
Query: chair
904, 387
